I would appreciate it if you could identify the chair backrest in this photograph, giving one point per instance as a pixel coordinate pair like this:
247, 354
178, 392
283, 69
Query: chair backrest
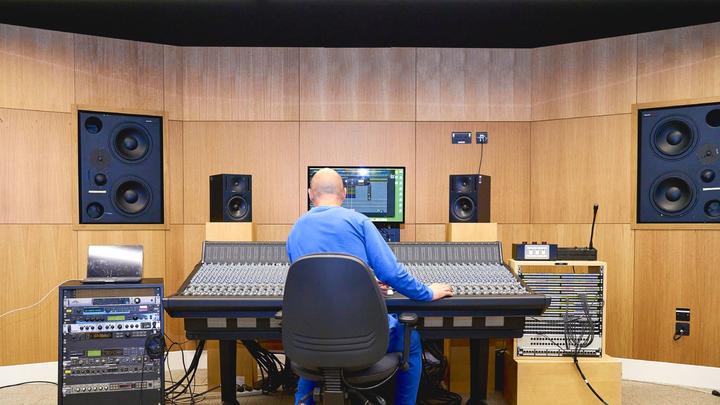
333, 313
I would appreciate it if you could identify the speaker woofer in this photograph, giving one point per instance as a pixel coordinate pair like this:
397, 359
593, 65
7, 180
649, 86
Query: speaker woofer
463, 184
238, 207
131, 142
95, 210
672, 195
673, 138
132, 196
463, 208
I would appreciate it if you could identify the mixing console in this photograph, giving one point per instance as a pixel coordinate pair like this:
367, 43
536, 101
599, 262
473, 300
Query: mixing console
236, 293
267, 279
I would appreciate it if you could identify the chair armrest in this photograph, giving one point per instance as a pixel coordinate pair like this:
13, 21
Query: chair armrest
409, 320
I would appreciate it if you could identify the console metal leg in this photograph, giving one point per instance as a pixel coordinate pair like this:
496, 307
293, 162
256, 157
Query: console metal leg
228, 356
479, 349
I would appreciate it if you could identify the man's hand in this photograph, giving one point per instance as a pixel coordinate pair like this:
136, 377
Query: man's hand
384, 288
440, 291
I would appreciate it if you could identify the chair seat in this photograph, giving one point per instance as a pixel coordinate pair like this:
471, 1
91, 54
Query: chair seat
375, 373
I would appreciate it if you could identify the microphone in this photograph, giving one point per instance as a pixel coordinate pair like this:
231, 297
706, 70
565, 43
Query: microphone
592, 230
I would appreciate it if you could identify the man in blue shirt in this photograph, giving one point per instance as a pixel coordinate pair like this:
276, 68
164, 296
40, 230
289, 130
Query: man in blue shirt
329, 227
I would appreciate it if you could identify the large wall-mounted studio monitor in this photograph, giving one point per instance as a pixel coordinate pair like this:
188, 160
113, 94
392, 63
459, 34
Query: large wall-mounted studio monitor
231, 198
469, 198
377, 192
678, 164
120, 168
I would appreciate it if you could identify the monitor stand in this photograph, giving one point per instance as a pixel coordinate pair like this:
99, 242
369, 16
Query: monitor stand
389, 232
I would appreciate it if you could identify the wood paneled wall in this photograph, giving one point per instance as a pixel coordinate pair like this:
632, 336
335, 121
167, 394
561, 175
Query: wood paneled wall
558, 119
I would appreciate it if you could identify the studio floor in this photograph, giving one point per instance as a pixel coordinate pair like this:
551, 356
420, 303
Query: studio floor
633, 393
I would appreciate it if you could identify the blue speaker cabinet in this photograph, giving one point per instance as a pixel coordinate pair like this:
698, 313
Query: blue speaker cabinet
120, 168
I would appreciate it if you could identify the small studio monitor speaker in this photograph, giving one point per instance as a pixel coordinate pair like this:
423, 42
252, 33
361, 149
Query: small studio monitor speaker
231, 198
678, 162
120, 168
469, 198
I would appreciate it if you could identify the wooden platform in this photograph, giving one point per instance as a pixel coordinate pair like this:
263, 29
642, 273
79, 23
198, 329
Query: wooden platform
556, 380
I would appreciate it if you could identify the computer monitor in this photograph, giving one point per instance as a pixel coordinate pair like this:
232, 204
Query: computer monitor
377, 192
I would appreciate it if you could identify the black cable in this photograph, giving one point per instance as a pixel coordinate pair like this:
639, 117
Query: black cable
170, 393
198, 352
28, 382
193, 399
583, 339
432, 391
274, 374
482, 149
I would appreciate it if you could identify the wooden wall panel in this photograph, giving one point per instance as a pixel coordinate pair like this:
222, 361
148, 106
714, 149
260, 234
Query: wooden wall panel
408, 233
183, 250
473, 84
173, 76
358, 143
679, 63
240, 84
174, 177
153, 243
577, 162
34, 259
266, 150
615, 246
118, 73
36, 67
584, 78
272, 233
507, 161
677, 269
368, 84
34, 171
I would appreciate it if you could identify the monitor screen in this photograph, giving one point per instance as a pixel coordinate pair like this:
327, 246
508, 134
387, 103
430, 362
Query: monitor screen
377, 192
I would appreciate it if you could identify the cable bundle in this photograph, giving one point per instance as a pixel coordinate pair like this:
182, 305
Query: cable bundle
579, 333
181, 391
274, 374
434, 371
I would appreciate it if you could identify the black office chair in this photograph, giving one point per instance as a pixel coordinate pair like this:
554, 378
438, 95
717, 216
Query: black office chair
335, 328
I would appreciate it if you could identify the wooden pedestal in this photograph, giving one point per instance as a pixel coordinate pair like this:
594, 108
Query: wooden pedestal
556, 381
471, 232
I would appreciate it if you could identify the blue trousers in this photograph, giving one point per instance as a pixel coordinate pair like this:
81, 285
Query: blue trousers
406, 383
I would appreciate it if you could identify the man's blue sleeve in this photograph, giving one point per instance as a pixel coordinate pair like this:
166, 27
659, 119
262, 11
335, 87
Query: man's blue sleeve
288, 247
387, 269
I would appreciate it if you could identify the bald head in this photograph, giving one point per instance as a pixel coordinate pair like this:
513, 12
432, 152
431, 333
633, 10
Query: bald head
326, 188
